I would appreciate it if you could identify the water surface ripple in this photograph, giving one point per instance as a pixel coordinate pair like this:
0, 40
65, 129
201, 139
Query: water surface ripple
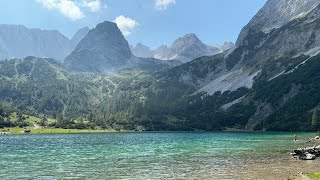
165, 155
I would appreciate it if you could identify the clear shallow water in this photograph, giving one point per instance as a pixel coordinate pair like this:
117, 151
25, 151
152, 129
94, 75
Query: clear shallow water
179, 155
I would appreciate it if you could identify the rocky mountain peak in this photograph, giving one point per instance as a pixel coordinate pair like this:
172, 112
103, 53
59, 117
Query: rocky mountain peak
187, 41
141, 50
275, 14
103, 49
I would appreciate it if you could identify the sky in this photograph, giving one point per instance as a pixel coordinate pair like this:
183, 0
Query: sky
151, 22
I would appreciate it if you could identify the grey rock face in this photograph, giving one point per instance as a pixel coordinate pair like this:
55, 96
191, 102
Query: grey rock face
78, 37
19, 42
141, 50
275, 14
104, 49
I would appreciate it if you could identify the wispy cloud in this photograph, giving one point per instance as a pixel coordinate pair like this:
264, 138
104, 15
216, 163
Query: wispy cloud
164, 4
66, 7
125, 24
72, 9
94, 6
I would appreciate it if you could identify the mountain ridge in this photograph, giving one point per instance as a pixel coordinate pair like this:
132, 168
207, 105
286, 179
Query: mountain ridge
105, 50
18, 41
184, 48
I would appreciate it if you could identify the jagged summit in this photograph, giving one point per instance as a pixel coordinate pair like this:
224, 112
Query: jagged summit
141, 50
276, 13
187, 48
103, 49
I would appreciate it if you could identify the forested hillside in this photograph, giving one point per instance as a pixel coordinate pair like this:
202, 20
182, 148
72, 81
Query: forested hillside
155, 101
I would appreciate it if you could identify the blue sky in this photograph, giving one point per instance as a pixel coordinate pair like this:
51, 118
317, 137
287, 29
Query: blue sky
152, 22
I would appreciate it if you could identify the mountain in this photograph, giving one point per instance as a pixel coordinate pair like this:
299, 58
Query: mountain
265, 81
275, 14
269, 81
17, 41
141, 50
187, 48
78, 36
261, 49
226, 46
184, 49
103, 49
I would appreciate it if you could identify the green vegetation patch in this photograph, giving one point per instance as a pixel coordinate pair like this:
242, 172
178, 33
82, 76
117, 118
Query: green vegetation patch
314, 175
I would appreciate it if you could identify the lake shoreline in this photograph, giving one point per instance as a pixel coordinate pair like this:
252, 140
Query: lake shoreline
15, 131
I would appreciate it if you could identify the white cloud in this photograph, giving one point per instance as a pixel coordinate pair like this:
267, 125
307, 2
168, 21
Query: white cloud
125, 24
94, 6
163, 4
66, 7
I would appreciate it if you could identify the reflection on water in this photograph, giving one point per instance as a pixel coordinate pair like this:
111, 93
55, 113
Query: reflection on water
181, 155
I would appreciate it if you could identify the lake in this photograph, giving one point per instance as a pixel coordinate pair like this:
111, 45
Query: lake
152, 155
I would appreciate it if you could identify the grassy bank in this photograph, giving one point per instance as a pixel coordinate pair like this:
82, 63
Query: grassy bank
34, 125
307, 176
17, 130
314, 175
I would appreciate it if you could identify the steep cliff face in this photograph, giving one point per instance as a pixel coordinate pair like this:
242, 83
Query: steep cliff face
19, 41
275, 14
78, 36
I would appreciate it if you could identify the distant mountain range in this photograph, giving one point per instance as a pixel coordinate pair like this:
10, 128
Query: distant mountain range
104, 49
184, 49
17, 41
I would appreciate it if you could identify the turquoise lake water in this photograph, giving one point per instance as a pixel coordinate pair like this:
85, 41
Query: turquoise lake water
159, 155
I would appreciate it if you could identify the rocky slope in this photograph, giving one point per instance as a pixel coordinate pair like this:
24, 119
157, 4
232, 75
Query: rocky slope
141, 50
261, 50
275, 14
78, 37
269, 50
